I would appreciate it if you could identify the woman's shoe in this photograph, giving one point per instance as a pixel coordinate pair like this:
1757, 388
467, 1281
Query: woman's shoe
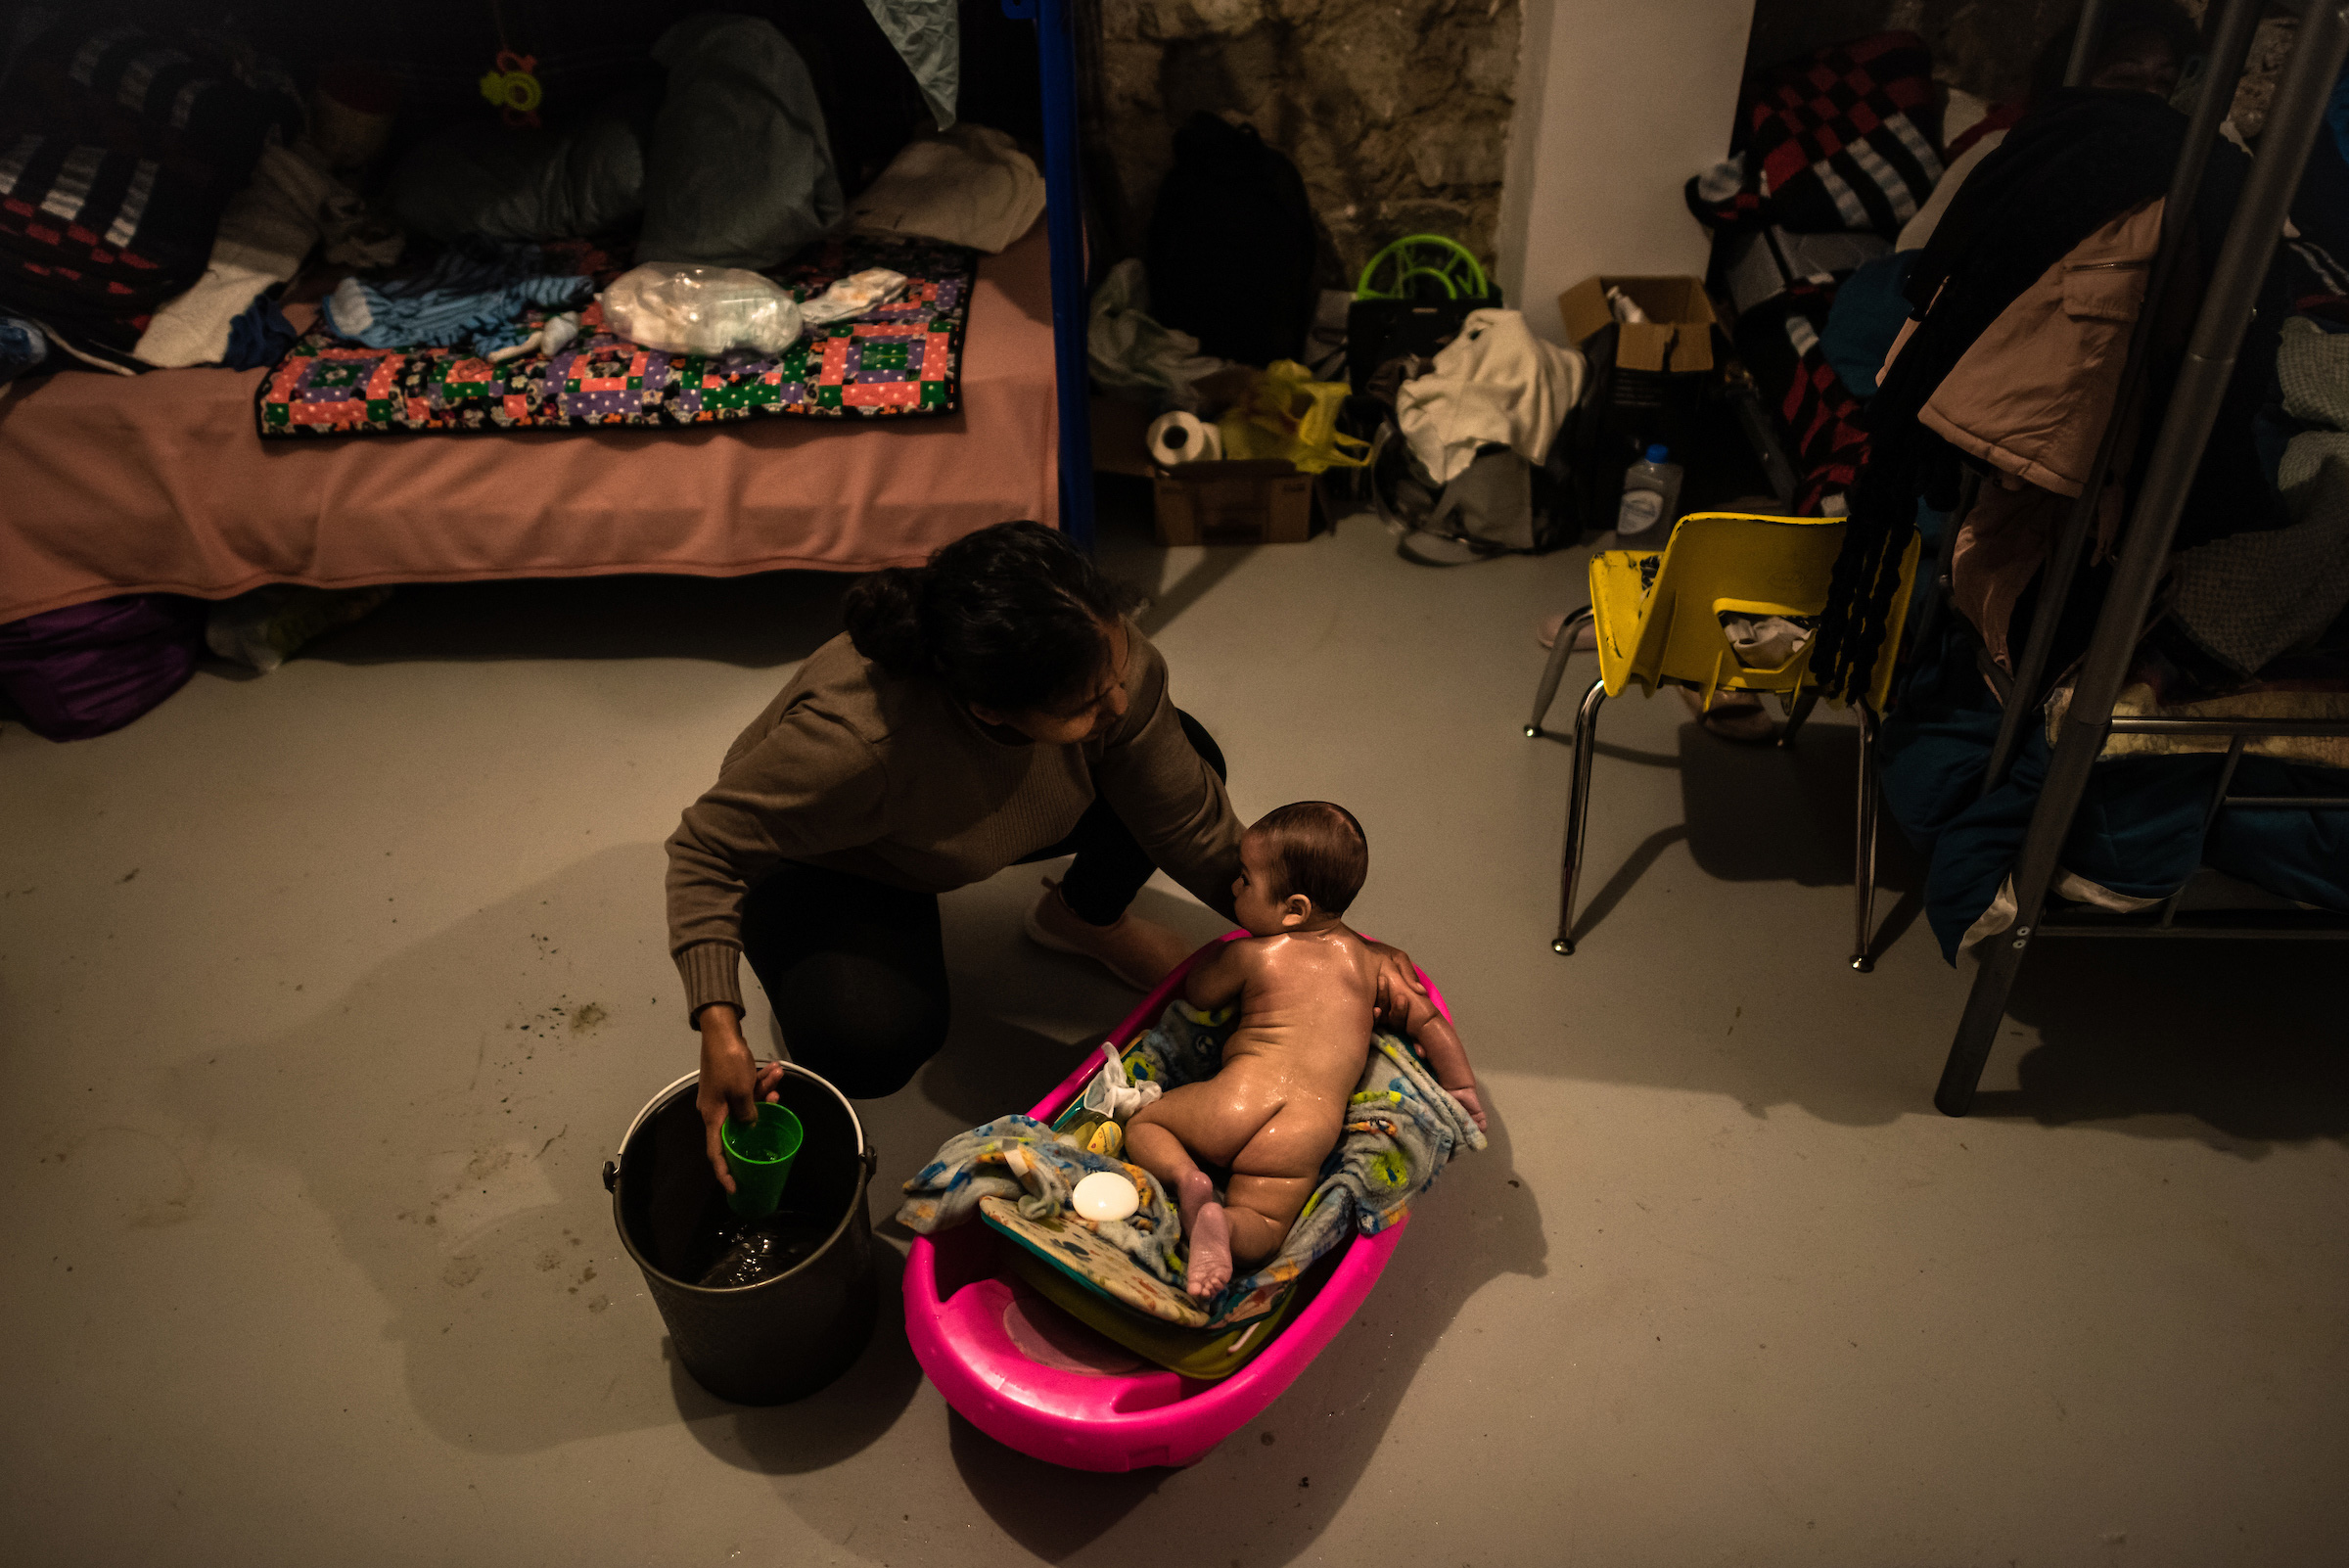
1140, 952
1733, 716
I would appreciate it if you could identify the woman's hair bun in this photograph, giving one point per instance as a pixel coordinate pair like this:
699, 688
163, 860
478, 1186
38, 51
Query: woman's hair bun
1010, 617
884, 616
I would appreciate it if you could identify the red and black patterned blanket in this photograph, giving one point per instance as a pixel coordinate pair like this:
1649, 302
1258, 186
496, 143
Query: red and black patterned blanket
899, 360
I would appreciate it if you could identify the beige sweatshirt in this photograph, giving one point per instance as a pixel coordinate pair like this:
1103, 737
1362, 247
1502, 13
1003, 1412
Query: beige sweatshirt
855, 771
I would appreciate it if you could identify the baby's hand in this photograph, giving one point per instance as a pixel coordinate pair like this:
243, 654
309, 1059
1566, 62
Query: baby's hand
1471, 1104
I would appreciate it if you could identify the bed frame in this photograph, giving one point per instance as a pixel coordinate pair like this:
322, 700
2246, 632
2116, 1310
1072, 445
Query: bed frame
1063, 222
2253, 232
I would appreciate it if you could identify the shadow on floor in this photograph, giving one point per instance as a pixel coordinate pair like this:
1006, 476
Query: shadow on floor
831, 1425
758, 622
1760, 813
447, 1118
2224, 1042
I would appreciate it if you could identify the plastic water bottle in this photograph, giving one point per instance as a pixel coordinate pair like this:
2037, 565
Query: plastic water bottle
1651, 495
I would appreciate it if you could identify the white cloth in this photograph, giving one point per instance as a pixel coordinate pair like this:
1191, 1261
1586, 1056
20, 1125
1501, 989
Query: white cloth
854, 295
1496, 383
1131, 352
265, 231
1114, 1095
968, 186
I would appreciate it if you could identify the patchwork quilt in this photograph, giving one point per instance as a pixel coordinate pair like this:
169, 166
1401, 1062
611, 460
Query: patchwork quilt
899, 360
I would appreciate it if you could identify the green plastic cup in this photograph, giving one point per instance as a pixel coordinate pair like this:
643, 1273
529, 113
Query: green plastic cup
760, 1154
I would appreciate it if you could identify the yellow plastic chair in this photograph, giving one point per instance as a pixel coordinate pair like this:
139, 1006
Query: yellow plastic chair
1657, 617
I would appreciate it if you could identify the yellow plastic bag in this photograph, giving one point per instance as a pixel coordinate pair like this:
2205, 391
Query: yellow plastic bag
1286, 413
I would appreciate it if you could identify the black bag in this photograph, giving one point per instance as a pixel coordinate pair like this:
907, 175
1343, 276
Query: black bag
1380, 330
1231, 253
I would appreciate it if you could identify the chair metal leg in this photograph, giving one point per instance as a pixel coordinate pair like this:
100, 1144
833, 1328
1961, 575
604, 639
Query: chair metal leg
1559, 652
1804, 700
1577, 810
1863, 851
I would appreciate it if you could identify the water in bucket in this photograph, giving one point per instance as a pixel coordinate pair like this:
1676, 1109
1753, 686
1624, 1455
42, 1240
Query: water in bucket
727, 1252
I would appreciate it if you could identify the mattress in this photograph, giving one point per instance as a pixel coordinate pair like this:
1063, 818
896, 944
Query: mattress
158, 483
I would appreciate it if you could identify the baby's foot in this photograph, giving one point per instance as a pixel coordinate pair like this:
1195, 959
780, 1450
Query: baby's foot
1210, 1254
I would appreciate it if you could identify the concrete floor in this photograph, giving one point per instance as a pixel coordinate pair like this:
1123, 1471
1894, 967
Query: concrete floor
309, 1259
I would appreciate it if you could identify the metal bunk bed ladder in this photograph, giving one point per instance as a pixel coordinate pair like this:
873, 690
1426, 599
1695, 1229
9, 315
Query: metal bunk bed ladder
2253, 231
1064, 224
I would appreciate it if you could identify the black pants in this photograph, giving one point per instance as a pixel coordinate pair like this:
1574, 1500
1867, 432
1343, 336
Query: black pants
856, 971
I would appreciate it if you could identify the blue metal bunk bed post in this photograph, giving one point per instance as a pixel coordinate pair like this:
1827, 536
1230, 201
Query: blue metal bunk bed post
2252, 235
1063, 222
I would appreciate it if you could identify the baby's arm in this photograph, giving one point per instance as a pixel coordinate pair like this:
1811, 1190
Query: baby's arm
1447, 1057
1218, 980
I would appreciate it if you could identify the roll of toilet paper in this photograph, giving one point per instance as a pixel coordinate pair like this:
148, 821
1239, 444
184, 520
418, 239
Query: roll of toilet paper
1181, 437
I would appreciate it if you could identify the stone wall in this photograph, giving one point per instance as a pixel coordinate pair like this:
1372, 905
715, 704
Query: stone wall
1396, 111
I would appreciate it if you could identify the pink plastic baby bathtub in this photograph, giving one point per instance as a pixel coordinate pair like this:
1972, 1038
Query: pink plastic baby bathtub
962, 1302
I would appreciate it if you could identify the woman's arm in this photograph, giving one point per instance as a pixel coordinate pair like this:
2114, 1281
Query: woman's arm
1164, 790
808, 786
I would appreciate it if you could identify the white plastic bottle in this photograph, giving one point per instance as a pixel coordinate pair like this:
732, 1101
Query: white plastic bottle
1651, 496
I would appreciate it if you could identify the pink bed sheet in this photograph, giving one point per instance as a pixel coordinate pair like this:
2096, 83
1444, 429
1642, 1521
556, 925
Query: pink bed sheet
158, 484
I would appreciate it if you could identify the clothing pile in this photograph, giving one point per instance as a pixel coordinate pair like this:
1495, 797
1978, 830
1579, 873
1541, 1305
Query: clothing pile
1472, 427
2023, 303
121, 146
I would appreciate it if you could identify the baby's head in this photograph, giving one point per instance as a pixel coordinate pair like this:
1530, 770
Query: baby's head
1300, 867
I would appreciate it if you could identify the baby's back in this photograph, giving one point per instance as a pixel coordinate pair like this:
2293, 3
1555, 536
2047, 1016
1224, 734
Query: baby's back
1305, 1008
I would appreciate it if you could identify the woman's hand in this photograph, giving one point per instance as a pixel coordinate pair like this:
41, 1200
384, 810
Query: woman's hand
730, 1080
1399, 985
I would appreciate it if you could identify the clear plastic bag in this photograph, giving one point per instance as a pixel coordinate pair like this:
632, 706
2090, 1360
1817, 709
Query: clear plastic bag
684, 309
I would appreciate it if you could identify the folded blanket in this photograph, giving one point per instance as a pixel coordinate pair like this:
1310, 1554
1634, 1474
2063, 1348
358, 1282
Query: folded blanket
1401, 1128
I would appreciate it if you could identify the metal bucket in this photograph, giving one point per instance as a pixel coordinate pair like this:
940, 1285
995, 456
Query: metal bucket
789, 1334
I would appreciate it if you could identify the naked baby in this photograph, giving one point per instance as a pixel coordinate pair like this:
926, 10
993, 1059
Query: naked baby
1306, 989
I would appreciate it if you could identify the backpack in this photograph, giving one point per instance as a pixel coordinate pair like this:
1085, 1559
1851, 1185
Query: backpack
1231, 253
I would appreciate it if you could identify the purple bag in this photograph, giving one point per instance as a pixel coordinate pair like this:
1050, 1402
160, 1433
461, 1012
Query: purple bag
93, 668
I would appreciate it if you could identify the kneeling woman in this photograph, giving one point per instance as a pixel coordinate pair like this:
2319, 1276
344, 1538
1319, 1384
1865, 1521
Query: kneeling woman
991, 708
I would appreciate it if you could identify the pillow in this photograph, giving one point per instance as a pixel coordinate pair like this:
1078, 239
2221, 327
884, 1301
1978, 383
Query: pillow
1843, 139
739, 169
968, 186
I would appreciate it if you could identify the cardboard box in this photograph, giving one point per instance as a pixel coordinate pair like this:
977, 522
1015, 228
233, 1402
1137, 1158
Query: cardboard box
1261, 500
1120, 437
1676, 336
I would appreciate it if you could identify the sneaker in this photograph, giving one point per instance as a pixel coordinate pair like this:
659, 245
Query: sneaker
1140, 952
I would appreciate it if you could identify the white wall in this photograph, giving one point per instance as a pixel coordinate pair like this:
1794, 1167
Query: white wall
1617, 102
